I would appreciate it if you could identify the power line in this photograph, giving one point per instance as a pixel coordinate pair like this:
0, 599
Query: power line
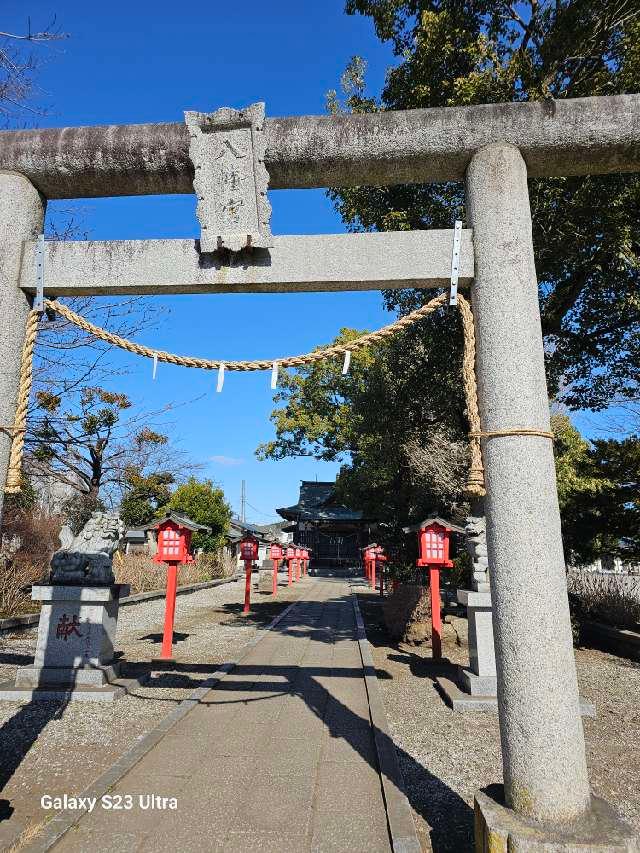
260, 512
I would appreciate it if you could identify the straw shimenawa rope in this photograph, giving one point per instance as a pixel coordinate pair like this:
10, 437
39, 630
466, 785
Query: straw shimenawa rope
14, 472
475, 485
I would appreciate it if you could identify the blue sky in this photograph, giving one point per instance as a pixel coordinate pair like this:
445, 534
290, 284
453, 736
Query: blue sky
145, 61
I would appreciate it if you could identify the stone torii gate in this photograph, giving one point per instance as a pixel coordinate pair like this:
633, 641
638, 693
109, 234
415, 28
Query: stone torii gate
494, 149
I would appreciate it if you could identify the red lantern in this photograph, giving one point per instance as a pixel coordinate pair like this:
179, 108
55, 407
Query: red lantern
298, 555
434, 545
275, 552
174, 544
249, 548
368, 560
434, 555
290, 554
248, 553
379, 559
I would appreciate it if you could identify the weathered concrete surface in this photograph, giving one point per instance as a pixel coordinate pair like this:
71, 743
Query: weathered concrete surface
21, 217
543, 751
325, 262
569, 137
599, 830
231, 181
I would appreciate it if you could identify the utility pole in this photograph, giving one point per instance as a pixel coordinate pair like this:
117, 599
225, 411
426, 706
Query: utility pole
243, 501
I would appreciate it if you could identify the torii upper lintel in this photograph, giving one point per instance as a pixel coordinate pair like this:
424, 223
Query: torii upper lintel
568, 137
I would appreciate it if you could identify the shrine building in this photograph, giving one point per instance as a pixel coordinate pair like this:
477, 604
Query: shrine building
334, 532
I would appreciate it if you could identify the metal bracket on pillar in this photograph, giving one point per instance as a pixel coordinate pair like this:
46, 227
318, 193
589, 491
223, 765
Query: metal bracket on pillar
455, 263
38, 300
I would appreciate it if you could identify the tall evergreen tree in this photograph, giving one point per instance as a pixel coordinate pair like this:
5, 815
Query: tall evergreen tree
587, 244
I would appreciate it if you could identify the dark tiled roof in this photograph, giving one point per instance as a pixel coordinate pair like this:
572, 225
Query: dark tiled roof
135, 534
275, 527
317, 502
181, 520
238, 528
435, 518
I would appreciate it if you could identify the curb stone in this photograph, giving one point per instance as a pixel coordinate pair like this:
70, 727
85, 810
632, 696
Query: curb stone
622, 642
60, 823
402, 829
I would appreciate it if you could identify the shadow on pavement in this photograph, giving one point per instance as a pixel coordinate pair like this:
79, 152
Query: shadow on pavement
446, 813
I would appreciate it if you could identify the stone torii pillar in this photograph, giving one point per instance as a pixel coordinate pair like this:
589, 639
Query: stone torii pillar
21, 218
543, 751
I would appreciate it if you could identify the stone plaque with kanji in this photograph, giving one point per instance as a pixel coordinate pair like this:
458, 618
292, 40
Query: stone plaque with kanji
227, 149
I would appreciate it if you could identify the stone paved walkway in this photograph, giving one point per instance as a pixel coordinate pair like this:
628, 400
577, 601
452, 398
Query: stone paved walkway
278, 756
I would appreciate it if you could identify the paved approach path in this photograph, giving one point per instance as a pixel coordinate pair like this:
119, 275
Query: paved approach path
278, 756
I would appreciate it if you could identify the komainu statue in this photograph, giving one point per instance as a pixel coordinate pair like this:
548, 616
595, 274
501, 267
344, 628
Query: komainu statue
87, 559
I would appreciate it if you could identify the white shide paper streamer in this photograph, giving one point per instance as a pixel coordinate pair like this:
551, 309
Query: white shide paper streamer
220, 377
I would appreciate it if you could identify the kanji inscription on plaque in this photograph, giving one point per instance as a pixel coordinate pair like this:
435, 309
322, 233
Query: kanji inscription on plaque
227, 150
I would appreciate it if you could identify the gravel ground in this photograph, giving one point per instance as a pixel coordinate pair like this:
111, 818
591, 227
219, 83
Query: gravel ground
445, 755
51, 748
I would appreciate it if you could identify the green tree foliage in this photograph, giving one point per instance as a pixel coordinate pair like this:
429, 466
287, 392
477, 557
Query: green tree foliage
204, 503
398, 409
599, 493
403, 443
87, 445
143, 496
579, 489
459, 52
611, 522
397, 421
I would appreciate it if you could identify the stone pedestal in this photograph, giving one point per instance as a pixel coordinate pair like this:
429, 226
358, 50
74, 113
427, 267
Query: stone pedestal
479, 679
265, 580
499, 829
75, 647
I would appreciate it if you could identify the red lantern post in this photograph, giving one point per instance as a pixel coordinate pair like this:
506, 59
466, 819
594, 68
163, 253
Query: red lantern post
275, 553
174, 543
248, 553
370, 556
305, 561
290, 554
381, 559
298, 561
434, 555
367, 562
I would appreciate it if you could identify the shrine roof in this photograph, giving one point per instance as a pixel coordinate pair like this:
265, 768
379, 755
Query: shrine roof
414, 528
181, 521
238, 528
272, 529
317, 502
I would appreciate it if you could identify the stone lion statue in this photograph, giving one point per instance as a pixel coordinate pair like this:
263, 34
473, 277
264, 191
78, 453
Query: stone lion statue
86, 559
